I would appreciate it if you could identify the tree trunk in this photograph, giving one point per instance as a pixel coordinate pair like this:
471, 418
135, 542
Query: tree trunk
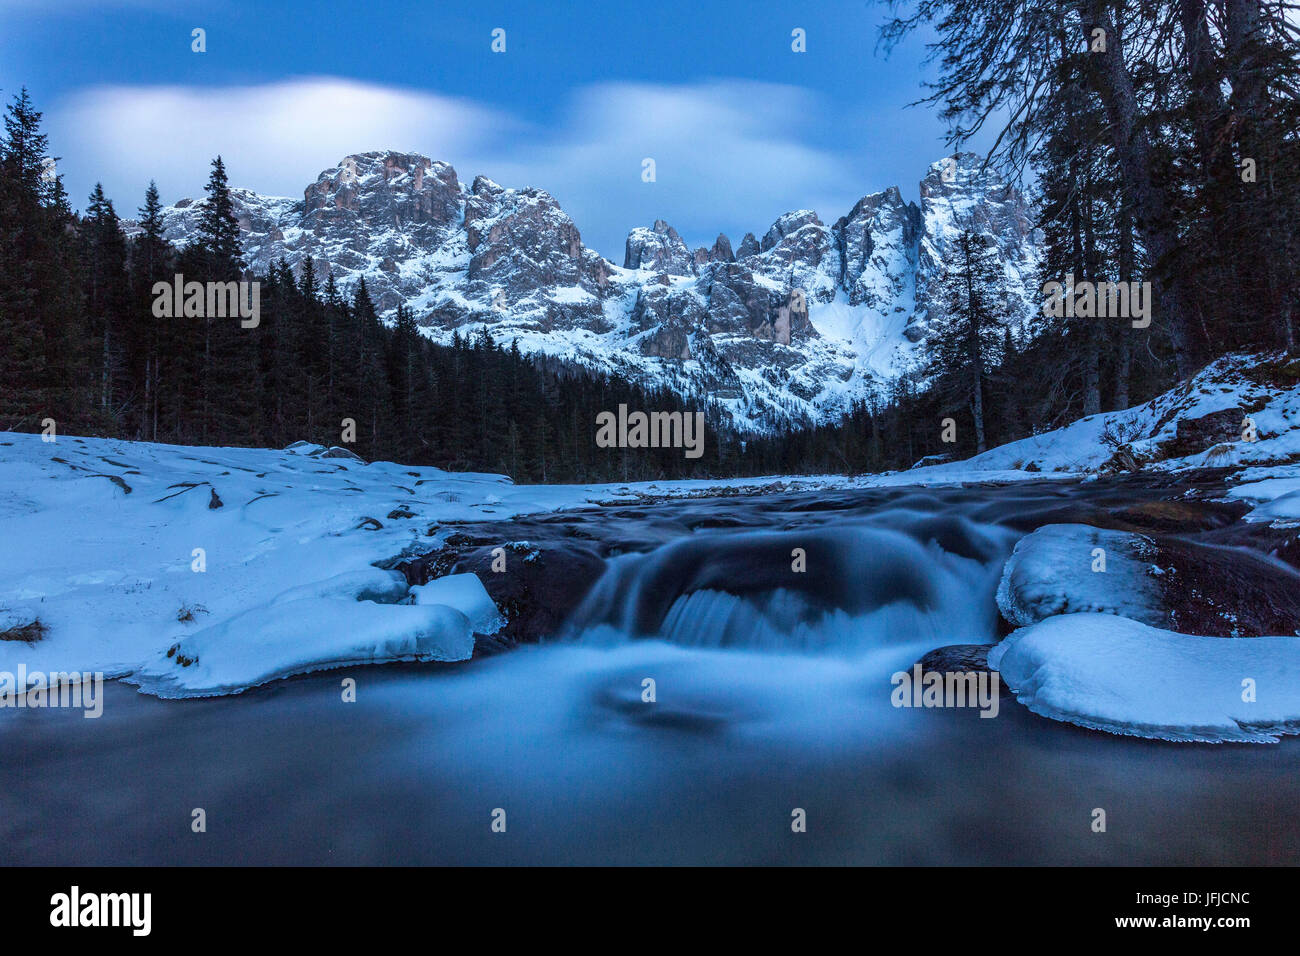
1257, 132
1149, 203
207, 375
1205, 98
1123, 348
105, 372
1086, 259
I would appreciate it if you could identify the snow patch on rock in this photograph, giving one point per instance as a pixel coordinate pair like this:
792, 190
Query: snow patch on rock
1125, 677
1053, 571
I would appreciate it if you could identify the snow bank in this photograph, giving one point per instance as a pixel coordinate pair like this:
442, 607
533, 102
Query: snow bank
1054, 571
256, 563
299, 636
1283, 511
1281, 482
1276, 497
1109, 673
366, 584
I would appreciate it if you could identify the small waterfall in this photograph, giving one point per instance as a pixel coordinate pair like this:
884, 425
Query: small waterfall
893, 579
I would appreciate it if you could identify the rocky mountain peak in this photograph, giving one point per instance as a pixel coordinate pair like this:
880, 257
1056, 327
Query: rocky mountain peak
659, 248
787, 224
383, 189
878, 245
721, 251
790, 327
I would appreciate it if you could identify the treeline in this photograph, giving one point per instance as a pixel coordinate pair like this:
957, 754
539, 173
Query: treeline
82, 345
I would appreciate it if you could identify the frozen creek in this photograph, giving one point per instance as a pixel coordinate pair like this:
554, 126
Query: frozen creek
772, 693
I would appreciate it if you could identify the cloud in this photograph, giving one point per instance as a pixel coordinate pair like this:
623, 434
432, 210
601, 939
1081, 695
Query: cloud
729, 155
274, 138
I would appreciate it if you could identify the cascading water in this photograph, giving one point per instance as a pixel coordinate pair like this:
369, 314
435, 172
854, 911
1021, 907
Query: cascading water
895, 578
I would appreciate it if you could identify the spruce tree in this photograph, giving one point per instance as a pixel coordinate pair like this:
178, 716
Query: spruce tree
152, 338
218, 227
107, 294
42, 335
967, 339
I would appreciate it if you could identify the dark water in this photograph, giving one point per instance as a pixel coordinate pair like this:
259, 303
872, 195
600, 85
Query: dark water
772, 694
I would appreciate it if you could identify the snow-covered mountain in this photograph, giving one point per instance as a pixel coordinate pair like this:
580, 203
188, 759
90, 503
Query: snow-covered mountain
791, 327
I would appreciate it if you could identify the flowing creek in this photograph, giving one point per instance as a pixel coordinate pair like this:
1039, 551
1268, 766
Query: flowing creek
772, 692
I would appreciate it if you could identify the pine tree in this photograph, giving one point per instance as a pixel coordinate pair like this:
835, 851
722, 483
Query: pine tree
107, 293
1079, 213
41, 314
967, 339
230, 353
152, 338
218, 227
374, 412
26, 149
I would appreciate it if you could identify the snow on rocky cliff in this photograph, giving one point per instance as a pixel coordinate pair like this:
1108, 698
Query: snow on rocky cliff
793, 326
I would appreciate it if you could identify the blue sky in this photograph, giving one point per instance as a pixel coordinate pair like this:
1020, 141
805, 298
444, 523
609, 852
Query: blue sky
740, 127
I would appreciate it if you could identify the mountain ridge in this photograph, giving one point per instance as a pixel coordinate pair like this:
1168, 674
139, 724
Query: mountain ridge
787, 329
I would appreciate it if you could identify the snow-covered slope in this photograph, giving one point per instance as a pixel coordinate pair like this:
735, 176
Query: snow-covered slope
1241, 411
791, 327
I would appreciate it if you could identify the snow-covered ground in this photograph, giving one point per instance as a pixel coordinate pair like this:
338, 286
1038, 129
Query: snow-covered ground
1275, 492
1262, 388
1095, 647
209, 570
1087, 651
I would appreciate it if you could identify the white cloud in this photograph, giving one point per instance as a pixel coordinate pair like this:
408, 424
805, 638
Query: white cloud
729, 155
274, 138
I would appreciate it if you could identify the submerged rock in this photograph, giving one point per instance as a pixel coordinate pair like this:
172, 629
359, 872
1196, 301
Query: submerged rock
538, 589
961, 659
956, 657
1180, 516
